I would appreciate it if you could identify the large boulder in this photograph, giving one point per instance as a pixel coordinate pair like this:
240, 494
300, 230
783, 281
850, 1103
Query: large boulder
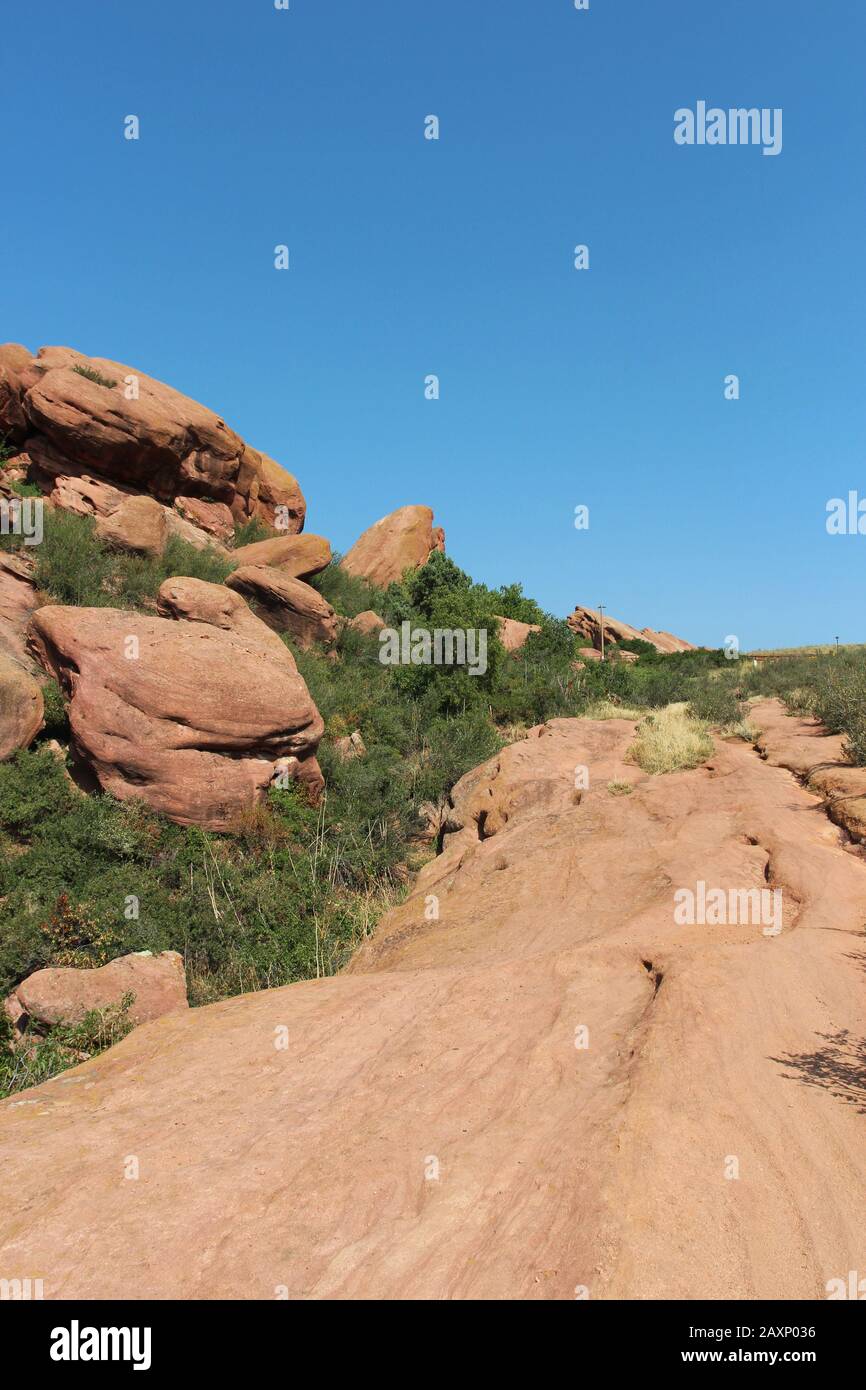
65, 995
296, 556
403, 540
81, 421
138, 526
368, 623
19, 600
21, 708
191, 714
513, 634
287, 604
213, 517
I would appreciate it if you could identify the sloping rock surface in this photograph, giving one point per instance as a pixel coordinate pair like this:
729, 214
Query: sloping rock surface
532, 1082
286, 604
402, 540
587, 623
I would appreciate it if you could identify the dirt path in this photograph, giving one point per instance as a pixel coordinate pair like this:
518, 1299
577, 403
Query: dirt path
432, 1130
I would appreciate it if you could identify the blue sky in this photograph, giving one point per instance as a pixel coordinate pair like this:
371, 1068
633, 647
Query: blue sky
409, 257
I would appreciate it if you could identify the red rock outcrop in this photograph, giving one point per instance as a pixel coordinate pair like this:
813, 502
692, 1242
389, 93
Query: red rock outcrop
585, 622
138, 525
61, 995
528, 1086
403, 540
513, 634
298, 557
213, 517
21, 707
666, 642
286, 604
191, 714
160, 442
368, 623
18, 602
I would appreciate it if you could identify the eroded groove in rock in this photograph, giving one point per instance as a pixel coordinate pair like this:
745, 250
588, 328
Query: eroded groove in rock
548, 1083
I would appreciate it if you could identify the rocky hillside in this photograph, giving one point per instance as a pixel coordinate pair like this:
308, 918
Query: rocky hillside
448, 1038
531, 1083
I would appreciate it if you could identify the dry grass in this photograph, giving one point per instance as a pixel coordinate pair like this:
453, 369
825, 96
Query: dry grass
620, 788
608, 709
669, 740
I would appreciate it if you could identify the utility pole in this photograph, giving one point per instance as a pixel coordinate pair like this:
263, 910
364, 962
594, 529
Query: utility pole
601, 627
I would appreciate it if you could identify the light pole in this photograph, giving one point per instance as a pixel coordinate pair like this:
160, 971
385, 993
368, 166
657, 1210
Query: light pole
601, 627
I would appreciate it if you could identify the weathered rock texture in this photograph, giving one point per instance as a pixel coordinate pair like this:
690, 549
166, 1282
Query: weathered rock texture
60, 995
138, 525
286, 604
805, 748
213, 517
18, 602
585, 622
162, 442
535, 1090
190, 714
21, 707
298, 557
403, 540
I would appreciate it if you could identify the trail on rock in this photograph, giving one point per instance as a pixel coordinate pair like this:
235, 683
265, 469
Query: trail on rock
531, 1082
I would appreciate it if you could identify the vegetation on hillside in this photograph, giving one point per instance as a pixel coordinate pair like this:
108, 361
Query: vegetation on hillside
293, 889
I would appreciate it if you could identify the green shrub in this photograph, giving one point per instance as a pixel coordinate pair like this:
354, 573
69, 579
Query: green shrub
74, 567
93, 375
248, 532
56, 719
347, 594
37, 1059
716, 704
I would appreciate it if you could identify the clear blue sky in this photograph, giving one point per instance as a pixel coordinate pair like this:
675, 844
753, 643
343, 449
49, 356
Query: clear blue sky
409, 257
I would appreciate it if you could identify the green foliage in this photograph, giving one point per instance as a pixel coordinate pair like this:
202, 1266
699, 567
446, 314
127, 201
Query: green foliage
646, 650
248, 532
7, 450
347, 594
93, 375
56, 720
35, 1059
716, 703
74, 567
840, 700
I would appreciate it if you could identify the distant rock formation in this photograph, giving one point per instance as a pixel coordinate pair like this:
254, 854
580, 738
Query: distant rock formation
585, 623
403, 540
